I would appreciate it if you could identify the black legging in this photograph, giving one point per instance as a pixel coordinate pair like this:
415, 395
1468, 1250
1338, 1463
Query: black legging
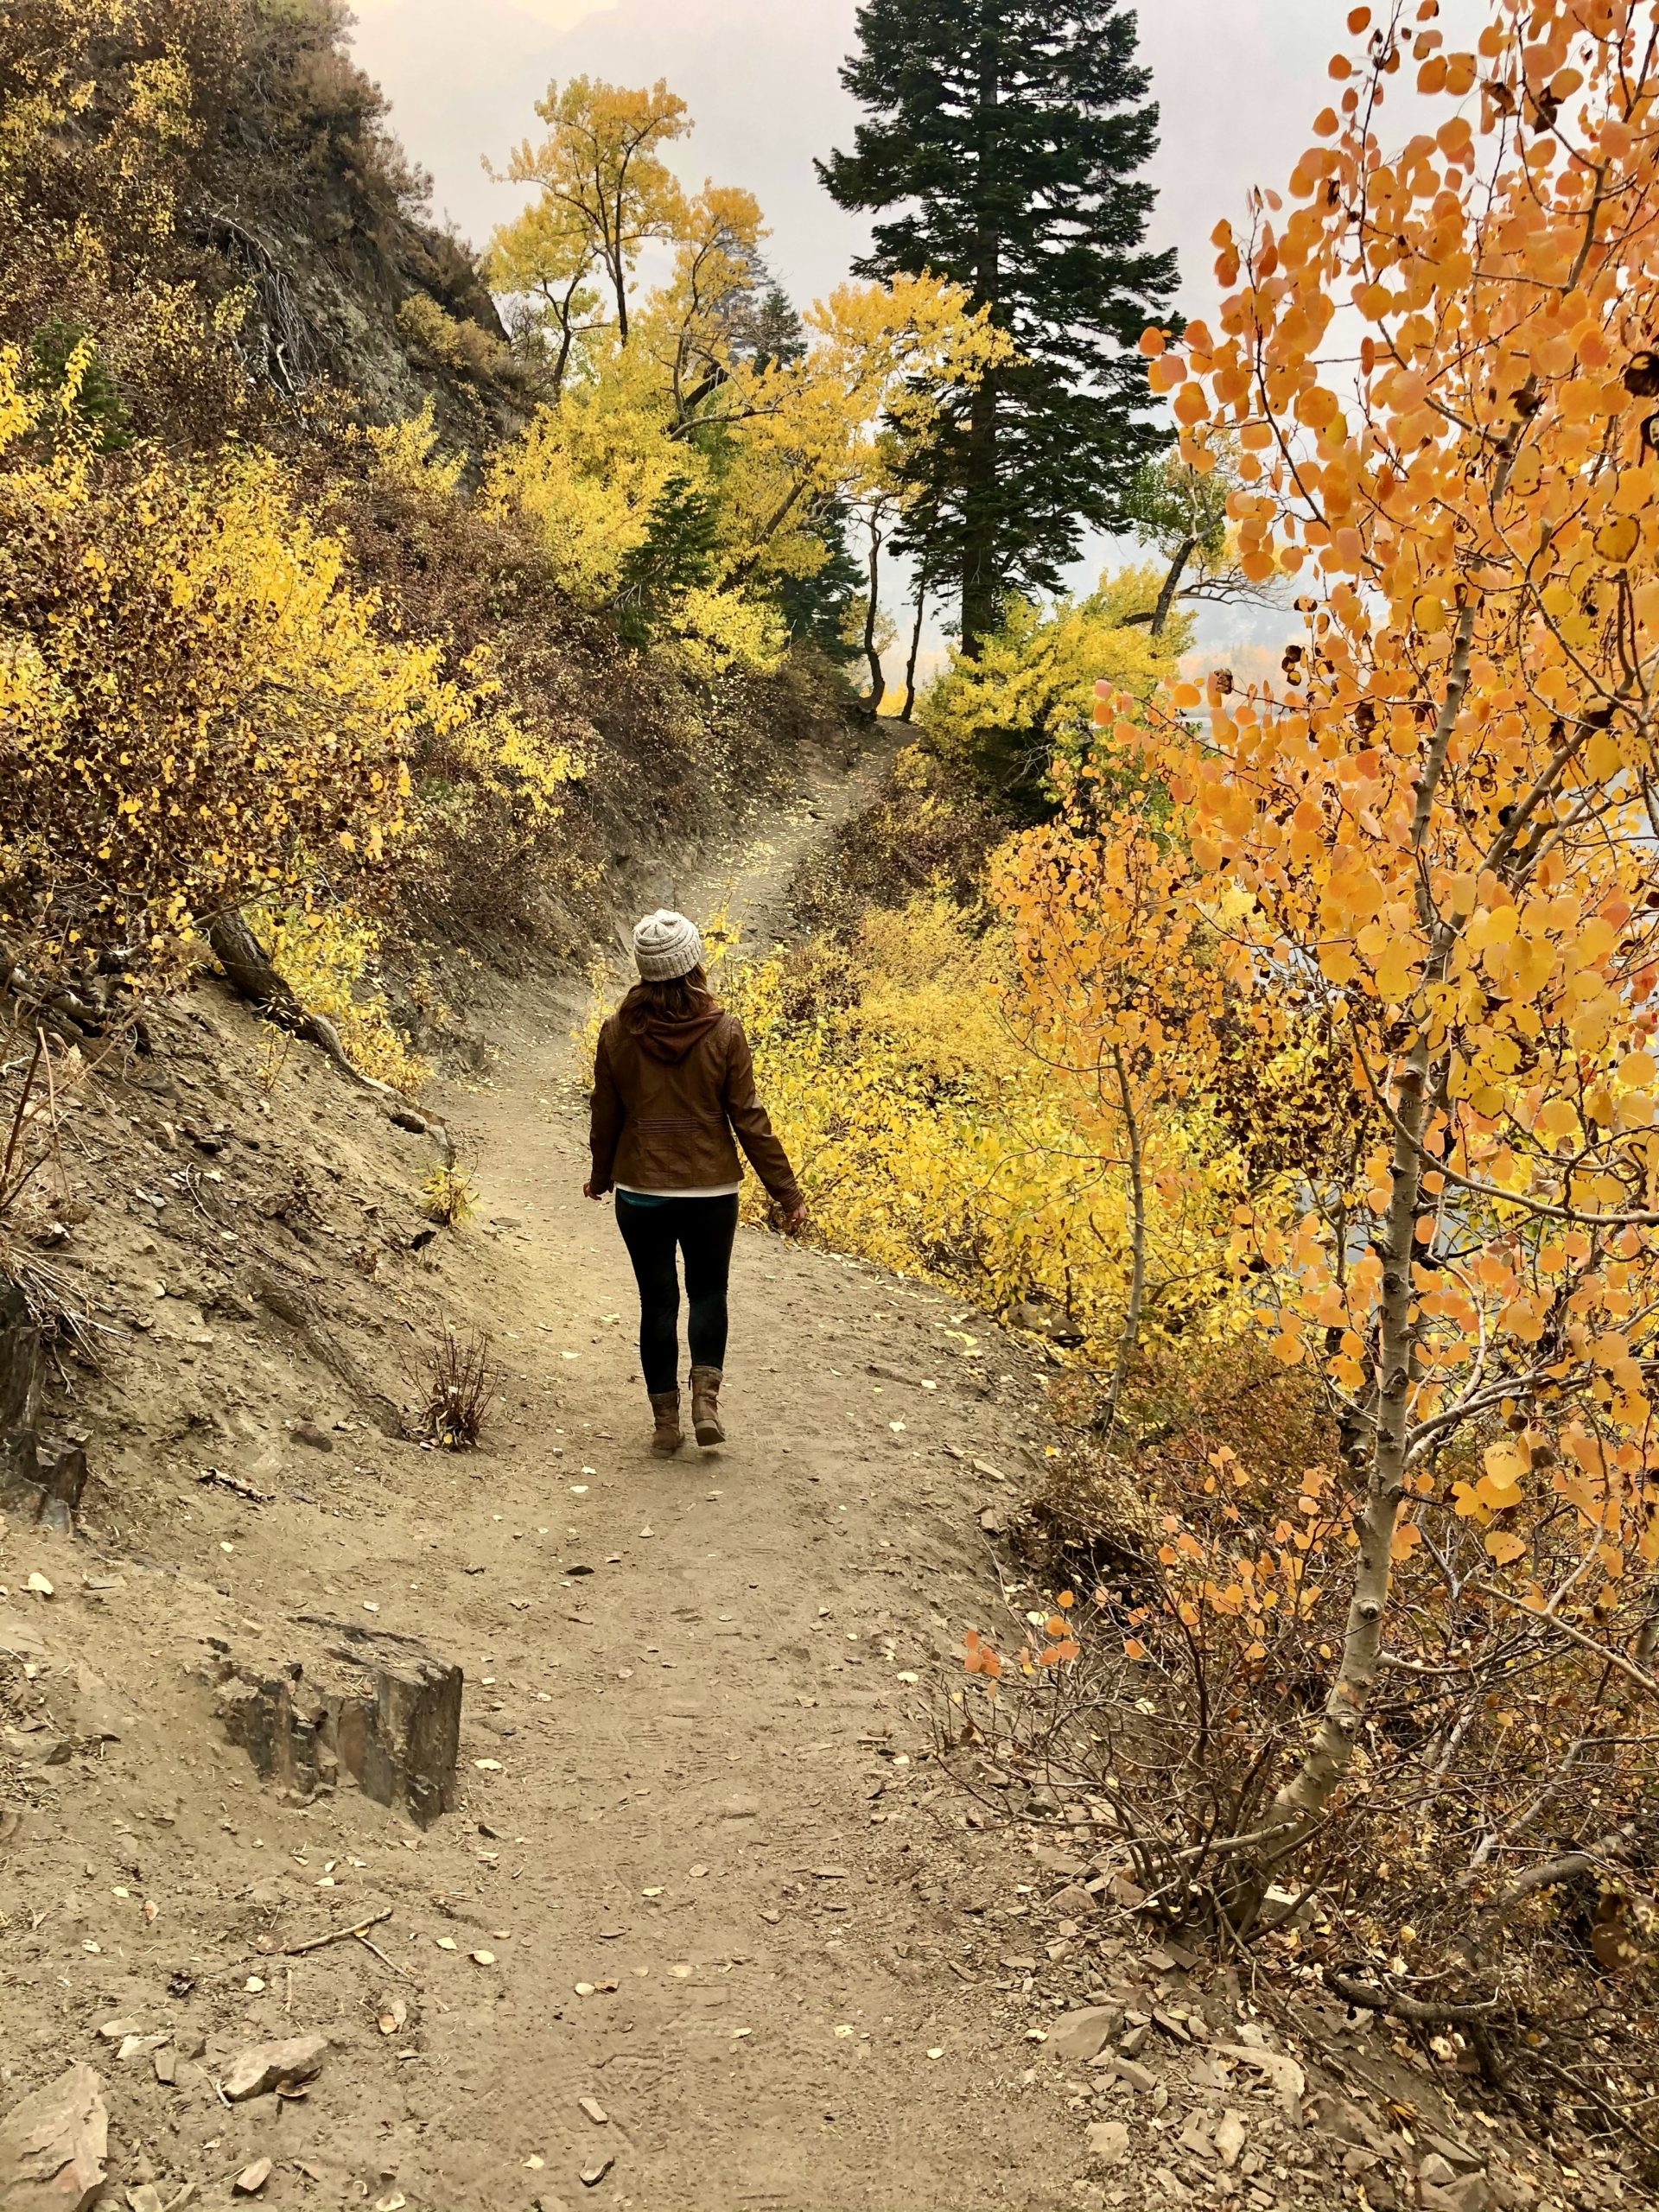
704, 1228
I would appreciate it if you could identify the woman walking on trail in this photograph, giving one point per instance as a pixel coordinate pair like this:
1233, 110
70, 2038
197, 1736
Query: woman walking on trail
673, 1097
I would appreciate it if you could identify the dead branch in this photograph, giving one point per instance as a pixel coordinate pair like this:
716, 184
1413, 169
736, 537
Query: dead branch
338, 1934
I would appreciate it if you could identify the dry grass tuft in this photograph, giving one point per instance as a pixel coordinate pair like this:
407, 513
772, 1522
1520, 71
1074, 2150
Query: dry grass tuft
458, 1391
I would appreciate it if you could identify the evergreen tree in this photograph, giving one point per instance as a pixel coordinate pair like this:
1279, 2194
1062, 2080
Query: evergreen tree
676, 555
1002, 149
817, 607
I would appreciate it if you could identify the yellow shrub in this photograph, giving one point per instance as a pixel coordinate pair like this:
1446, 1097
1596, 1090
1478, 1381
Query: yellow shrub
331, 961
587, 474
453, 341
405, 457
929, 1139
199, 705
719, 630
1029, 694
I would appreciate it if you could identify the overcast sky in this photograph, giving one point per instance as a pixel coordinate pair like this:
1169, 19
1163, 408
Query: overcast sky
1239, 82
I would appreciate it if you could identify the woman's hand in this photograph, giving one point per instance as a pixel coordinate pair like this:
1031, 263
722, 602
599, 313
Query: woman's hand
588, 1191
795, 1221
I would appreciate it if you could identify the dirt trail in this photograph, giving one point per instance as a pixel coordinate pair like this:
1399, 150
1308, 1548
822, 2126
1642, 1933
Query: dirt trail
718, 1892
729, 1696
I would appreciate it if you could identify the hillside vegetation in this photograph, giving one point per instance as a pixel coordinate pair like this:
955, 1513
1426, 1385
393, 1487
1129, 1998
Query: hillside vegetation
322, 602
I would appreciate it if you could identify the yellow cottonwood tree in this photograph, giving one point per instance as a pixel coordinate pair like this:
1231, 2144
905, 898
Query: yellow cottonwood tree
606, 189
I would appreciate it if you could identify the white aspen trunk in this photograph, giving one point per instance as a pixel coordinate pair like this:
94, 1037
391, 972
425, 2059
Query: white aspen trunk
1130, 1334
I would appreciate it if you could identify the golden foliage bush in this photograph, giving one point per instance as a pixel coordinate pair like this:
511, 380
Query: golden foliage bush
1026, 698
332, 961
1395, 1648
197, 703
931, 1138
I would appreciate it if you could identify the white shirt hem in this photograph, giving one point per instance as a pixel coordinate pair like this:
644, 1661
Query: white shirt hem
721, 1190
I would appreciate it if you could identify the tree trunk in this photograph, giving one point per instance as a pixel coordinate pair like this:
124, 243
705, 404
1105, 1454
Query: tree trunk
1172, 584
909, 707
249, 971
249, 974
871, 612
1305, 1796
1130, 1335
1302, 1800
565, 310
980, 594
979, 567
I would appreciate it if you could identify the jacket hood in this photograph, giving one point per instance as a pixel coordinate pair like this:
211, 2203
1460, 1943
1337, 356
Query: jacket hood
665, 1041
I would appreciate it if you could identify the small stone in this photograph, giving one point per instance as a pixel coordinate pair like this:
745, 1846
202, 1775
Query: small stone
1072, 1903
1109, 2142
1195, 2137
1137, 2076
1437, 2171
306, 1431
593, 2110
595, 2172
42, 1746
1229, 2139
164, 2059
252, 2179
1133, 2040
1082, 2035
1473, 2193
146, 2197
1337, 2116
1286, 2075
269, 2066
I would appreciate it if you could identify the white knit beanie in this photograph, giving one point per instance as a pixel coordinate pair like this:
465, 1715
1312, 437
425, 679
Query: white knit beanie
665, 945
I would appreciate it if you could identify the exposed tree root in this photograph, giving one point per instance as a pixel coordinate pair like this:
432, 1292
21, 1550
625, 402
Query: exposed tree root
249, 971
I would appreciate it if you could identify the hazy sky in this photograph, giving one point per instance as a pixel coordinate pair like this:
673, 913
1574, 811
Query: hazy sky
1239, 82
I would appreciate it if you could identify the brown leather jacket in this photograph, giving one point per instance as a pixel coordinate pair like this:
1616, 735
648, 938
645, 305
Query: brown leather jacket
667, 1101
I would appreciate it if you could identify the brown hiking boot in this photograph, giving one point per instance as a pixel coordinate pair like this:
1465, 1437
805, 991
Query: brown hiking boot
668, 1436
705, 1406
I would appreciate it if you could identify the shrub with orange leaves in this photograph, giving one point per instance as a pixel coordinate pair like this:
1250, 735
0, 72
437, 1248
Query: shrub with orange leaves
1430, 1669
1442, 817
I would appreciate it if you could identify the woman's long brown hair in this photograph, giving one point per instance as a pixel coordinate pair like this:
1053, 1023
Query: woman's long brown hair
680, 998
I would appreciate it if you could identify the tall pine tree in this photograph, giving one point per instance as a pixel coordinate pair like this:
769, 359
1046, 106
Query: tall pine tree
1002, 149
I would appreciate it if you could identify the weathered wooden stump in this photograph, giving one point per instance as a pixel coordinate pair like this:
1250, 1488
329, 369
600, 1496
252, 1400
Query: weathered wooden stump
20, 1385
41, 1478
361, 1705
